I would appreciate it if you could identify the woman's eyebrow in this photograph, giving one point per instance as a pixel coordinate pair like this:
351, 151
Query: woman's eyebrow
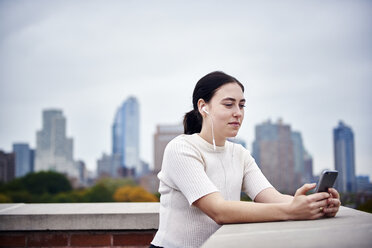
232, 99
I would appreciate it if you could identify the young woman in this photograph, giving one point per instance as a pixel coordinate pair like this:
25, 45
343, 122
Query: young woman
203, 174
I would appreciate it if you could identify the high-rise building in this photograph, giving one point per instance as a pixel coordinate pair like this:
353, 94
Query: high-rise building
109, 166
7, 164
164, 134
343, 144
24, 159
298, 156
274, 153
54, 151
83, 173
125, 136
308, 168
363, 184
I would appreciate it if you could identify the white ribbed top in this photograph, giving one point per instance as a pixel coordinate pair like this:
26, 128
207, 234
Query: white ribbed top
192, 169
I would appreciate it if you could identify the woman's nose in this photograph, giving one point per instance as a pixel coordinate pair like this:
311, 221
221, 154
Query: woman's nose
238, 112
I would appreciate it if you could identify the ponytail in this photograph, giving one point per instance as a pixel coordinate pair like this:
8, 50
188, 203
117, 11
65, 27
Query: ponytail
192, 122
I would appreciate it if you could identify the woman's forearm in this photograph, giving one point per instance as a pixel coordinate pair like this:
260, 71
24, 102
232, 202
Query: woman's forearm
223, 212
243, 212
271, 195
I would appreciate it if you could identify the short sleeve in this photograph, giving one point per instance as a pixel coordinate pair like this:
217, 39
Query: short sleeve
254, 180
183, 169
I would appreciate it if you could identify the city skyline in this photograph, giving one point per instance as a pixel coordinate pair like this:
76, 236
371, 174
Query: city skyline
309, 67
295, 136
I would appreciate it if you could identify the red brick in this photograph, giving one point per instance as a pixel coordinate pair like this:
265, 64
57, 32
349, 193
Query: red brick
133, 239
47, 239
12, 240
90, 240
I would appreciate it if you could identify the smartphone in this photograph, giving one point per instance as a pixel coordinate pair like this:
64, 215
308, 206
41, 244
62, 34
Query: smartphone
326, 180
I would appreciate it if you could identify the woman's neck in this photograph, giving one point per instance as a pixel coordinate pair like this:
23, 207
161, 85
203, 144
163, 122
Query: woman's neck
206, 134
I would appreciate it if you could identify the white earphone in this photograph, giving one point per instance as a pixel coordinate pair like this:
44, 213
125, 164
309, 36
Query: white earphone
205, 110
214, 142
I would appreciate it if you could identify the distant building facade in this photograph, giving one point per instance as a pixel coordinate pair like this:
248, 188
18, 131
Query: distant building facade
344, 156
308, 168
298, 156
83, 179
54, 151
363, 184
275, 150
109, 166
24, 159
164, 134
125, 136
7, 167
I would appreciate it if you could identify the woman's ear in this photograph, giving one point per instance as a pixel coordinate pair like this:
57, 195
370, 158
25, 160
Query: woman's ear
201, 105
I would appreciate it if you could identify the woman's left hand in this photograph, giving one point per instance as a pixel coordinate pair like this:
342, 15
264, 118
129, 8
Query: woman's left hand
334, 203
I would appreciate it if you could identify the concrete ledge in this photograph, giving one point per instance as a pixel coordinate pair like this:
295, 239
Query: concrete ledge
79, 216
350, 228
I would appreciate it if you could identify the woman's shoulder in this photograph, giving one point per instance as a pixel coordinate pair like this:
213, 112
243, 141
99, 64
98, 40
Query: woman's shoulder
182, 140
240, 150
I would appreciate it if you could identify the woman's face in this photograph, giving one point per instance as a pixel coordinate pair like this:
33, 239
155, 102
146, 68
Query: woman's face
226, 108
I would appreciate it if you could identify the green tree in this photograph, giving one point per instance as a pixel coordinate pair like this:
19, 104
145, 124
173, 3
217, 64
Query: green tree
36, 187
4, 198
72, 196
366, 207
98, 193
112, 184
46, 182
20, 196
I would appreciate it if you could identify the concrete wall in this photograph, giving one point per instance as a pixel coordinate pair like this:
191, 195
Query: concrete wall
135, 224
78, 224
350, 228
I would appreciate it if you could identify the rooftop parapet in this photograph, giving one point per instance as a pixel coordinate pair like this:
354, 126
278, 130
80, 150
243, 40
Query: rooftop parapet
350, 228
134, 224
79, 216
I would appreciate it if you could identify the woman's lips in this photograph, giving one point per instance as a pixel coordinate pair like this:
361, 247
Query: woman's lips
234, 123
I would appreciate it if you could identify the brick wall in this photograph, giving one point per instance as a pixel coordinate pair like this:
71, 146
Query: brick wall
117, 239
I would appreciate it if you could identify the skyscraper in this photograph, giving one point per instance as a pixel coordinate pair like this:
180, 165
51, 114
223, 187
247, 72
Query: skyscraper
273, 150
54, 151
308, 168
24, 159
343, 144
298, 156
125, 136
7, 165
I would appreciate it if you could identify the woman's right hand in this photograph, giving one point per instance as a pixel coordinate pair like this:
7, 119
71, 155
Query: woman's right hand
305, 207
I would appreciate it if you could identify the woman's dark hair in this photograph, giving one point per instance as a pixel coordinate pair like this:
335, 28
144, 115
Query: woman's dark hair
205, 89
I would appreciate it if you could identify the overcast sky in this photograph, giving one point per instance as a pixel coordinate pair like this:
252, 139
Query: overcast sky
307, 62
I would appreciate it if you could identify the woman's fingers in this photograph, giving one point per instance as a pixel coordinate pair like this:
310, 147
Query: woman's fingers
321, 204
333, 201
318, 215
305, 188
331, 212
334, 193
319, 196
